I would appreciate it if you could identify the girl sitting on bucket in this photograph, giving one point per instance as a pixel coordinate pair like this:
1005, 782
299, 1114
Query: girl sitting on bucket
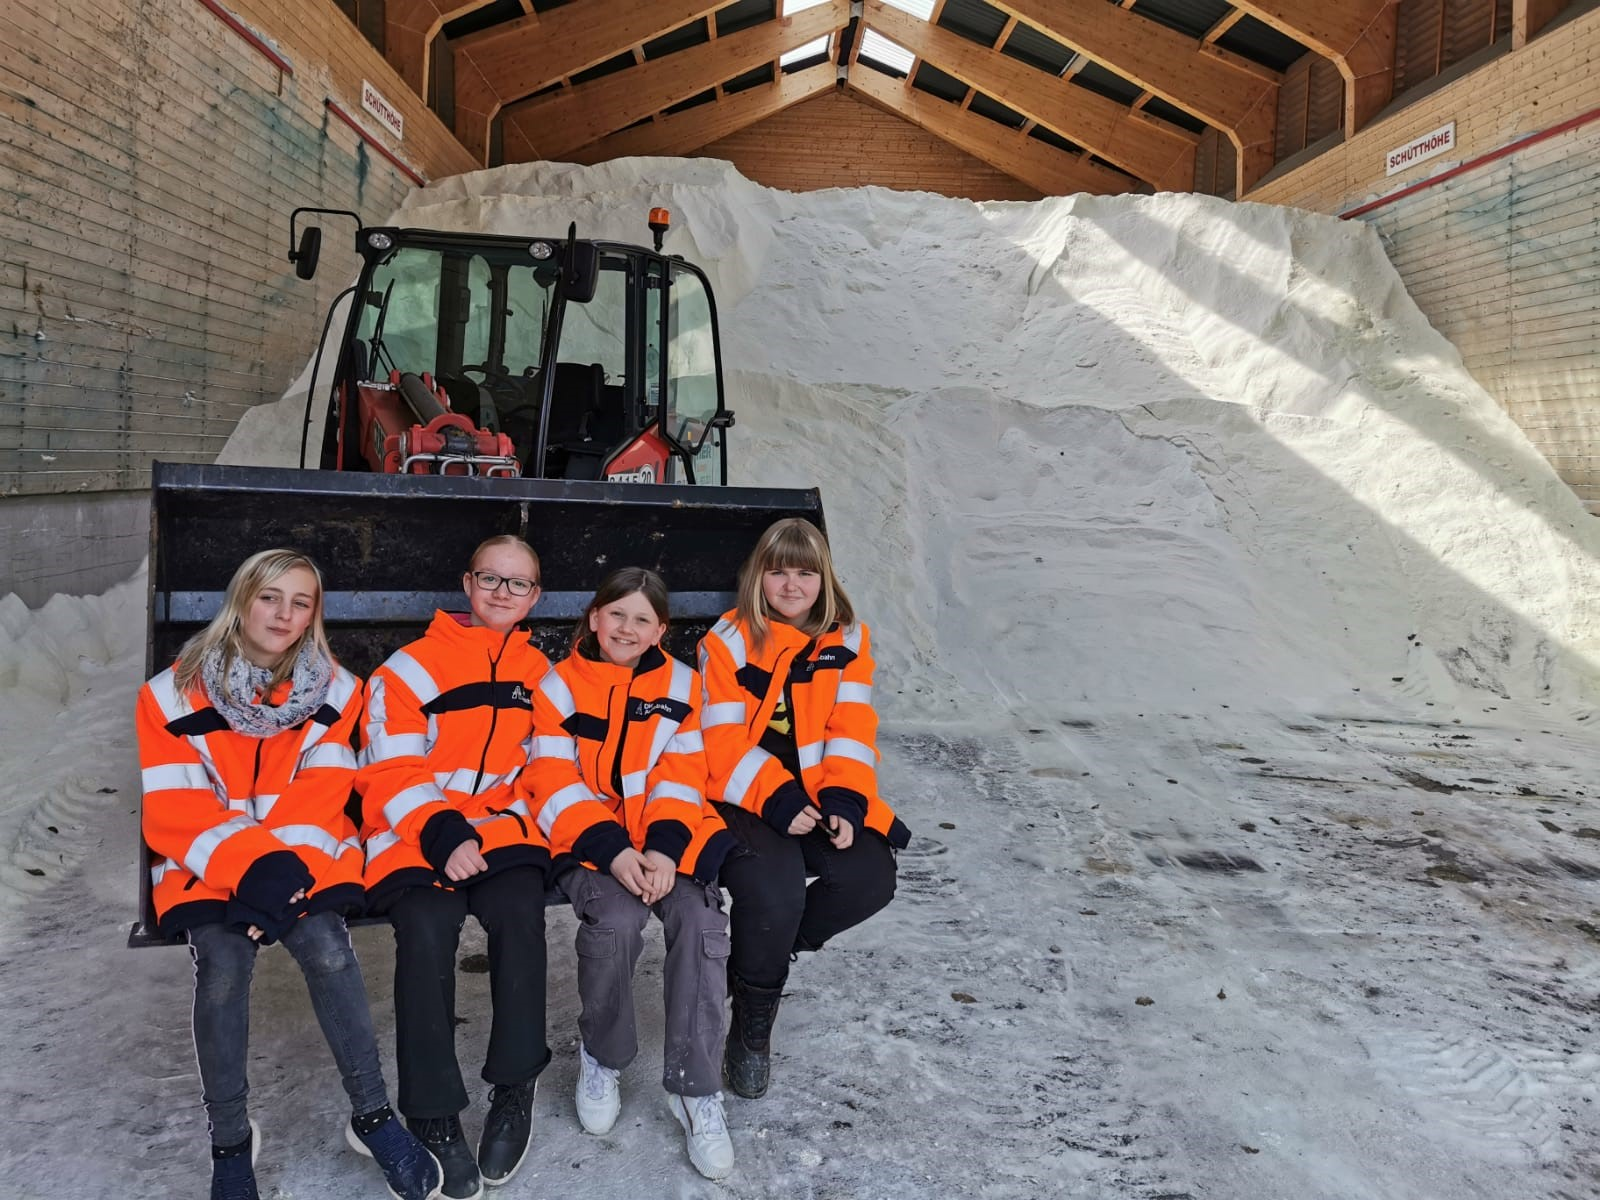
790, 741
244, 745
617, 780
448, 722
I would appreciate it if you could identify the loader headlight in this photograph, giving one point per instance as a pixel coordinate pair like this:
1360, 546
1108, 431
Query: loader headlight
379, 241
541, 250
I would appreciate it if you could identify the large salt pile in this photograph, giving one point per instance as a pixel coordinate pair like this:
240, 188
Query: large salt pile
1236, 651
1115, 452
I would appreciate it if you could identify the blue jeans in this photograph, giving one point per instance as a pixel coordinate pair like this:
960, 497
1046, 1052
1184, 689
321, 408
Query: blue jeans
223, 965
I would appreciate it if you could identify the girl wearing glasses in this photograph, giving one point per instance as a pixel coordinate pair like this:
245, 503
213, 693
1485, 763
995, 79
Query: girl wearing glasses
791, 750
245, 749
617, 780
446, 735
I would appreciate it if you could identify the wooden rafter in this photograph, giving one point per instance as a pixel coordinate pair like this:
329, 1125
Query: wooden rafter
1174, 67
1358, 36
933, 19
1528, 17
517, 58
409, 27
681, 133
557, 124
1163, 159
1028, 159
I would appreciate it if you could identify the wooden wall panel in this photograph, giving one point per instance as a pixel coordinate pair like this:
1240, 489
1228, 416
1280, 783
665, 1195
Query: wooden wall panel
152, 158
1503, 259
839, 141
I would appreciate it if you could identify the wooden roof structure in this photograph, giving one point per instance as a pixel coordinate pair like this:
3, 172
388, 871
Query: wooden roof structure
1103, 96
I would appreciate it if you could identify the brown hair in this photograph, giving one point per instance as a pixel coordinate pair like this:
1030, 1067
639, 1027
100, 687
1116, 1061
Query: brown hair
257, 573
795, 543
624, 581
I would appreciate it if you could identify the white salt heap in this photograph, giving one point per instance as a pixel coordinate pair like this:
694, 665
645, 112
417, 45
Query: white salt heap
1235, 650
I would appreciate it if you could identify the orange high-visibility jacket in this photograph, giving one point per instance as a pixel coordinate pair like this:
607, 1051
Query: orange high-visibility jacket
215, 801
449, 719
834, 724
617, 761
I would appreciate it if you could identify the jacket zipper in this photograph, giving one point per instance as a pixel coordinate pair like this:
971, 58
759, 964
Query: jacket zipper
494, 712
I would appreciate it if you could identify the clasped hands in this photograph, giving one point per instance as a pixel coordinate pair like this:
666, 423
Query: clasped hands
649, 876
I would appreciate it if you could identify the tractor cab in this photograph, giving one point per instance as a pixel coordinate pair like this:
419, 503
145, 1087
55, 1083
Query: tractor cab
548, 358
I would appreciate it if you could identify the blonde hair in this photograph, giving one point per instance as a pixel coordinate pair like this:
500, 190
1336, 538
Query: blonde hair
225, 633
798, 544
504, 539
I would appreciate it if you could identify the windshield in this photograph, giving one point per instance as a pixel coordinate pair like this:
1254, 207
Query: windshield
478, 311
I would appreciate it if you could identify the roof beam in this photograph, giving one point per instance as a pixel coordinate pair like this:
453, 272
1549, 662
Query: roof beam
1357, 35
517, 58
1173, 66
1039, 166
680, 133
1528, 17
559, 123
1164, 160
409, 27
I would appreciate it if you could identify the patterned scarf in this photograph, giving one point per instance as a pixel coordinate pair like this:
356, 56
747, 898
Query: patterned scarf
309, 688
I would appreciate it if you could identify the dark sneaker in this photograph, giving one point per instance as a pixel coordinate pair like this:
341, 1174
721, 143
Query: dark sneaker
507, 1131
233, 1169
409, 1168
445, 1141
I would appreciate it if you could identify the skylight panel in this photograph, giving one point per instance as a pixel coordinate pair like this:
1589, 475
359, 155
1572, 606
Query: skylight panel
879, 49
809, 50
921, 9
790, 7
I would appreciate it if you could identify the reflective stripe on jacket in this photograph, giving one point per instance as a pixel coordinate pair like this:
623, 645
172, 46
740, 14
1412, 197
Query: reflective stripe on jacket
448, 728
617, 761
834, 723
215, 801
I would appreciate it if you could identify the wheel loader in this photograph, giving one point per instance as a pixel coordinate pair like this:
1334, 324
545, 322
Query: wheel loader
569, 391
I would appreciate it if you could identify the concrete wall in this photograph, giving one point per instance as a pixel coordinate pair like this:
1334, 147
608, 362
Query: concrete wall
79, 545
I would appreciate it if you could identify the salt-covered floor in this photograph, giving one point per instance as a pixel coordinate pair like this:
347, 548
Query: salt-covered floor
1237, 657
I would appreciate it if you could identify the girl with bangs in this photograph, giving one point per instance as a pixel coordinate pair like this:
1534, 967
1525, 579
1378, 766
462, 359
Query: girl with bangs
617, 781
791, 751
244, 746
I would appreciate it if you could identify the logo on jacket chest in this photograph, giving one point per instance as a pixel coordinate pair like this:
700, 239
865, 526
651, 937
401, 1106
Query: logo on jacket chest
643, 710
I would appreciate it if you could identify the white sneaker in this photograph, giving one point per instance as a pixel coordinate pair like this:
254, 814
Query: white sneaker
706, 1132
599, 1096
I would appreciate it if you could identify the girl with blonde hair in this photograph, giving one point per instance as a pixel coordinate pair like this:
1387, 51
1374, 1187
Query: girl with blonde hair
244, 748
791, 752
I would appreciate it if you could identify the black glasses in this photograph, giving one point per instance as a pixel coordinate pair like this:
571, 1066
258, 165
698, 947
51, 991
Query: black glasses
514, 584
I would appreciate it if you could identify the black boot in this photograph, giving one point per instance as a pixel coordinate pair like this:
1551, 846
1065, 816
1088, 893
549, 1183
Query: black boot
746, 1061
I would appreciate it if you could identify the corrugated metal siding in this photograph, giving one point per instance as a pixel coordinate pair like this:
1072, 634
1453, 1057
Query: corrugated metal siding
1506, 263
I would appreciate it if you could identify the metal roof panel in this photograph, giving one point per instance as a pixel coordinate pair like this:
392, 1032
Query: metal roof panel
1261, 43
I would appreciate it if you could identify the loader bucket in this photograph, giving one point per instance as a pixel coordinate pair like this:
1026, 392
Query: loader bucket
392, 549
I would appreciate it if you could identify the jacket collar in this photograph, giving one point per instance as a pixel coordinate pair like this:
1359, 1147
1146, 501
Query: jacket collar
458, 631
598, 670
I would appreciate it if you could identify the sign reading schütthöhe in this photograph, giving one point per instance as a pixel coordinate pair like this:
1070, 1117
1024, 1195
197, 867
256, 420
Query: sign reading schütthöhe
374, 102
1430, 145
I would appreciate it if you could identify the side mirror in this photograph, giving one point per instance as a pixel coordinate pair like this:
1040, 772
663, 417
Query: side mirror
583, 272
305, 257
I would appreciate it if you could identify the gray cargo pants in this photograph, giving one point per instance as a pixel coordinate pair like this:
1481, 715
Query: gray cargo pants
611, 923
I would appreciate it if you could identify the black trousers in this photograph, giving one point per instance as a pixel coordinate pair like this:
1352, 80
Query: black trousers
774, 911
427, 932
